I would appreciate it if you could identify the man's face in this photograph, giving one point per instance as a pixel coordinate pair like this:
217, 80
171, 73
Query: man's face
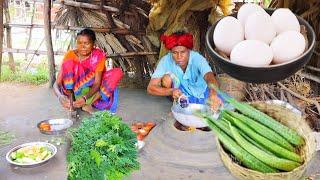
181, 56
84, 45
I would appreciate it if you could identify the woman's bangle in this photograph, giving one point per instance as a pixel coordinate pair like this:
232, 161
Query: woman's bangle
85, 98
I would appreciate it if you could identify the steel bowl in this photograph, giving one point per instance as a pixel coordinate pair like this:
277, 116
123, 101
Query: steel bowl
185, 115
269, 74
50, 147
58, 126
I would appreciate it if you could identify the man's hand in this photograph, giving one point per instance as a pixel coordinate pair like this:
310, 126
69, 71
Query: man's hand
64, 101
214, 100
79, 102
176, 93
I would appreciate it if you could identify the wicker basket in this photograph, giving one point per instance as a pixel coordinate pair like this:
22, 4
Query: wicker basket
288, 118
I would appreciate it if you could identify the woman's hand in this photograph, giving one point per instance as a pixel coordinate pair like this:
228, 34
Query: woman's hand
214, 101
79, 102
176, 93
64, 101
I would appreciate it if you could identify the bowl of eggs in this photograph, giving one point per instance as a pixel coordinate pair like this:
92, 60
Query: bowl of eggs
259, 45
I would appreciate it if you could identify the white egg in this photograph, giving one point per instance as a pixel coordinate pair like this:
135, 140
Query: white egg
251, 53
260, 27
287, 46
227, 34
284, 20
247, 9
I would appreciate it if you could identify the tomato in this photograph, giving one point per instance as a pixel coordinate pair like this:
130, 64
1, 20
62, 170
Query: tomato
140, 137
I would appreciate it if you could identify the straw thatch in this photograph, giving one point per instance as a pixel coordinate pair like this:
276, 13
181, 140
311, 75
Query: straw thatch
126, 22
168, 16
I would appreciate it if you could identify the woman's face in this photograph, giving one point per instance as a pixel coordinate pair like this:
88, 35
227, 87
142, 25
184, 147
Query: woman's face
84, 45
180, 55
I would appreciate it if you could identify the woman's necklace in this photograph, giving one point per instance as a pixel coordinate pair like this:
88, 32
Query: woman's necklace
81, 58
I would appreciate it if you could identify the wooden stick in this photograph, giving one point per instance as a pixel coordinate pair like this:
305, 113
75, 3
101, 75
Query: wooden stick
300, 97
40, 52
60, 27
41, 1
249, 93
309, 109
88, 5
282, 96
270, 93
311, 77
313, 68
9, 35
290, 98
34, 54
30, 30
1, 33
47, 32
128, 54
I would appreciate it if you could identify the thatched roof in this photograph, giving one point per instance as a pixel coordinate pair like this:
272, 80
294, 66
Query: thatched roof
122, 29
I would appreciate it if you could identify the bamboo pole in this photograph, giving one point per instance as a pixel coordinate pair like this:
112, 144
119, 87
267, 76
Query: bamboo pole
40, 52
47, 32
9, 35
34, 54
60, 27
1, 33
30, 30
88, 5
310, 77
130, 54
137, 64
313, 68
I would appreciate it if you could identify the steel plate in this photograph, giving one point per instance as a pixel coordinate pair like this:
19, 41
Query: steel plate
58, 126
50, 147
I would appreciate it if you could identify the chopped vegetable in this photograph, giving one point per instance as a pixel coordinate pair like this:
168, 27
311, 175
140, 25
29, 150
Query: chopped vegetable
44, 126
31, 154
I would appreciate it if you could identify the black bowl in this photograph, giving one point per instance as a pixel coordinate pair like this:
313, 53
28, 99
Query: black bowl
269, 74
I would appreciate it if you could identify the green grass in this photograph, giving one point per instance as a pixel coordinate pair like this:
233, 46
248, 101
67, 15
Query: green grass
40, 76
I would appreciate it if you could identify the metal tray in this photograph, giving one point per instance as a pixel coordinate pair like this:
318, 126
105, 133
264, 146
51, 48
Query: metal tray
286, 105
58, 126
51, 148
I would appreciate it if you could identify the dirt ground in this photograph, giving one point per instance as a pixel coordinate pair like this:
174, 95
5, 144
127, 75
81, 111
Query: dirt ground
23, 106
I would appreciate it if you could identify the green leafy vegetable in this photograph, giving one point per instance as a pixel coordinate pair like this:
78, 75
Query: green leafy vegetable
103, 147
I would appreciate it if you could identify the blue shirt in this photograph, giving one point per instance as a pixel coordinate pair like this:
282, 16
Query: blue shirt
192, 79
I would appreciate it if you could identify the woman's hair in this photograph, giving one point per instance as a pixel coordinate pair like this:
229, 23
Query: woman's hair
89, 33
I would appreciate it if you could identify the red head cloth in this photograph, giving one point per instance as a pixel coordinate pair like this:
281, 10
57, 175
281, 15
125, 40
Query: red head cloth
177, 40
